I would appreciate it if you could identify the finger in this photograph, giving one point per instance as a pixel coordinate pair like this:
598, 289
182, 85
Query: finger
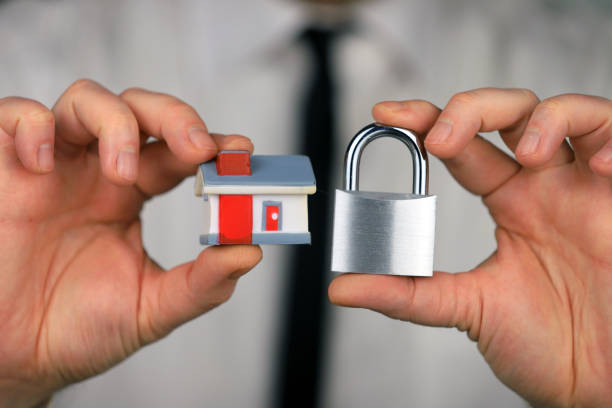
161, 170
601, 163
31, 126
171, 298
416, 115
166, 117
480, 167
233, 142
86, 112
448, 300
480, 110
587, 120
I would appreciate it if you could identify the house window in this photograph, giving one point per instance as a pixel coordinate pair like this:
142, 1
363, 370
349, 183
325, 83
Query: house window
272, 216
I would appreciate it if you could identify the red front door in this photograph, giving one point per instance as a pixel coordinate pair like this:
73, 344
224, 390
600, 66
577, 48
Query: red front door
235, 219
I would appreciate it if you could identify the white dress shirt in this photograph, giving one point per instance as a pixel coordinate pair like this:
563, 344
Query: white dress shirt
238, 64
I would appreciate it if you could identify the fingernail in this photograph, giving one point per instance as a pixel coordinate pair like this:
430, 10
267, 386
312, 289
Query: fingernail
440, 132
392, 106
200, 139
45, 157
127, 162
529, 142
605, 154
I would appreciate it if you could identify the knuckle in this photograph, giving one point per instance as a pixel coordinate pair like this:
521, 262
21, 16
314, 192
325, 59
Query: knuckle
529, 94
226, 293
130, 92
152, 329
551, 106
123, 118
176, 108
80, 86
464, 98
425, 104
82, 83
223, 295
40, 115
7, 100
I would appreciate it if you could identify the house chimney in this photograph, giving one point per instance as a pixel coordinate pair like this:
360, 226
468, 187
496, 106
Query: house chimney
234, 163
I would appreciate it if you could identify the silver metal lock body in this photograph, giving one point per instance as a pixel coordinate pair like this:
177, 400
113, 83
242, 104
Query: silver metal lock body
384, 233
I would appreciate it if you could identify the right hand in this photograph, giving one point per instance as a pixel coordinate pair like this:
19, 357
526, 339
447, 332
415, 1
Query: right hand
540, 306
78, 293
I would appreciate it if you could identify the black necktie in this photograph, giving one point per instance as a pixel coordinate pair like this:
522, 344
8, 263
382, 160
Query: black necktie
306, 301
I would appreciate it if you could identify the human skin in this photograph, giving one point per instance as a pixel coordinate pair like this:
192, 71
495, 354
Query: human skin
540, 307
78, 292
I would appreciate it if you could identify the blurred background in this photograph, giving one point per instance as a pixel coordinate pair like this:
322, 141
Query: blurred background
245, 67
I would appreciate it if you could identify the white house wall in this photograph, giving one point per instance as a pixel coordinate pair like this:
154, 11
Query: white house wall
294, 212
213, 214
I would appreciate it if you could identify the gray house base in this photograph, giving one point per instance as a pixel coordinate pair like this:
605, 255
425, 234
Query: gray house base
270, 238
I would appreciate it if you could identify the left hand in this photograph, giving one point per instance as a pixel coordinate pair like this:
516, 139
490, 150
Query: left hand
540, 307
78, 291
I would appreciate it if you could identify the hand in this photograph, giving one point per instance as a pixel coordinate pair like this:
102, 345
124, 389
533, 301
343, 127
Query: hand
540, 307
78, 293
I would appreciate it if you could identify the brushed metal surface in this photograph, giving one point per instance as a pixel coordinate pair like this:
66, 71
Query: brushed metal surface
383, 233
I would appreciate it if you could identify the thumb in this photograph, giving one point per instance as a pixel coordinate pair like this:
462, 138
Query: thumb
446, 299
171, 298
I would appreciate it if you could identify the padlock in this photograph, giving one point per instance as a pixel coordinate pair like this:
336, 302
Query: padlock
384, 233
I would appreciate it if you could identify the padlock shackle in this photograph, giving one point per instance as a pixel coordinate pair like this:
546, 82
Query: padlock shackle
420, 174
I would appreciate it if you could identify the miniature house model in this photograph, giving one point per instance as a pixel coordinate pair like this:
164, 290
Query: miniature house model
255, 199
